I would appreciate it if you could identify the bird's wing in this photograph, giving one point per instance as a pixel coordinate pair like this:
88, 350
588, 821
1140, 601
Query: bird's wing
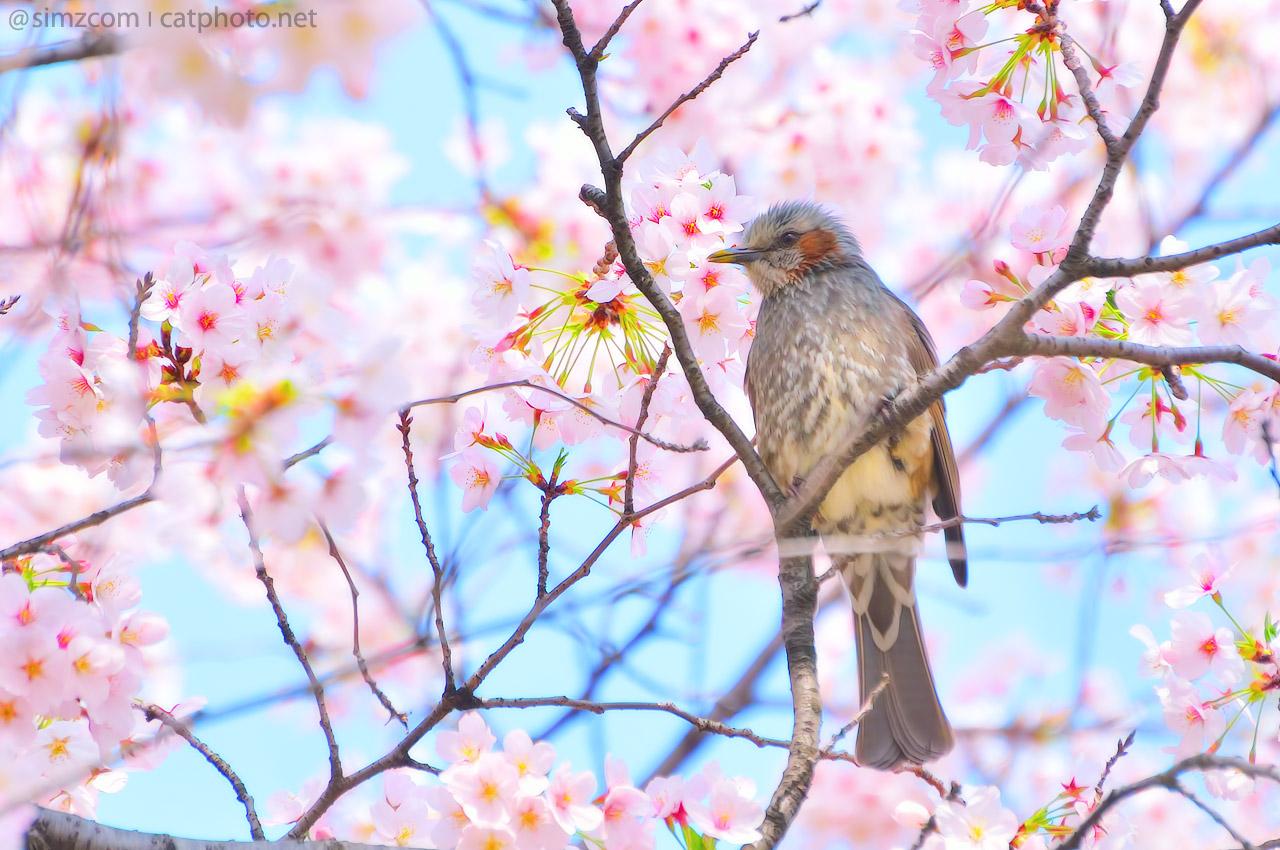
946, 477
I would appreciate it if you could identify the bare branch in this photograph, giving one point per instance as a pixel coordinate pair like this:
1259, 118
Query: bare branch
7, 303
355, 628
805, 12
155, 712
686, 97
857, 718
699, 446
1103, 267
1118, 151
1160, 356
294, 460
1077, 68
1169, 781
54, 830
317, 690
702, 724
628, 496
34, 544
470, 100
91, 45
597, 52
549, 492
437, 571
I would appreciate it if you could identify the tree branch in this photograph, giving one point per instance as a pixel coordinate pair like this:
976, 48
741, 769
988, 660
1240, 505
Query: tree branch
317, 690
697, 446
355, 629
91, 45
437, 571
1169, 781
155, 712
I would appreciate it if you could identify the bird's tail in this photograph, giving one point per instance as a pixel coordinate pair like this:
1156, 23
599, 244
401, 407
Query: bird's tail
906, 722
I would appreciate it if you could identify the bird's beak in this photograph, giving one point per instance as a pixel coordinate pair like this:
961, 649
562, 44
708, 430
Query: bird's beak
735, 255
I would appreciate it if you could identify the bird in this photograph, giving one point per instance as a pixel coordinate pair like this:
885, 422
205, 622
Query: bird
832, 346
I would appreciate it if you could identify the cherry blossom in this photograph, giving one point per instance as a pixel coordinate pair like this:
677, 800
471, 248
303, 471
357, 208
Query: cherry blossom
1208, 569
1072, 393
981, 823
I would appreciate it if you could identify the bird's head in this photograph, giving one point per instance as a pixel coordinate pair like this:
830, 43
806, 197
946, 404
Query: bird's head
788, 240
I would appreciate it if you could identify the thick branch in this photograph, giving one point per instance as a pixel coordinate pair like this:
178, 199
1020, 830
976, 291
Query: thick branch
61, 831
1102, 267
1087, 346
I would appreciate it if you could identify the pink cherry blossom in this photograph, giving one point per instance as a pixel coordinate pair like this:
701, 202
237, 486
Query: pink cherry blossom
209, 319
1140, 472
1186, 714
1039, 231
500, 287
471, 740
532, 761
712, 320
1073, 393
478, 476
479, 837
1208, 570
731, 813
1229, 313
486, 788
1157, 314
981, 823
1199, 648
535, 827
1159, 658
570, 795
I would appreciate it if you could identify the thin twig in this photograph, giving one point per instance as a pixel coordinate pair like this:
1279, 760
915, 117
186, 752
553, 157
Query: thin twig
1268, 440
294, 460
317, 690
686, 97
355, 628
1122, 749
702, 724
698, 446
1243, 842
549, 492
597, 52
7, 303
155, 712
437, 572
628, 496
470, 98
857, 718
806, 11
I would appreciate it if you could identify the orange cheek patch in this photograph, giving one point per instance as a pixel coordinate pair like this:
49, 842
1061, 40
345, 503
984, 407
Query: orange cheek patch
815, 246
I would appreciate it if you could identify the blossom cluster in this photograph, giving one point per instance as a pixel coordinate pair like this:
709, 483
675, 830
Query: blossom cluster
518, 798
592, 340
1013, 100
71, 670
1210, 676
1157, 309
213, 358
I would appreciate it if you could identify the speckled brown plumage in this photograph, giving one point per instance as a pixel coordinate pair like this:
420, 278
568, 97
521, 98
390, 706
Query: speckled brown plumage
832, 344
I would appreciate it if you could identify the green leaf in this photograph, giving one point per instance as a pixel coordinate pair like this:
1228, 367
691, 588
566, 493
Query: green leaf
1269, 629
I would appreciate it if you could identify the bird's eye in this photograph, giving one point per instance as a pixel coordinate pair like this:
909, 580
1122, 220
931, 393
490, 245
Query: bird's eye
789, 238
